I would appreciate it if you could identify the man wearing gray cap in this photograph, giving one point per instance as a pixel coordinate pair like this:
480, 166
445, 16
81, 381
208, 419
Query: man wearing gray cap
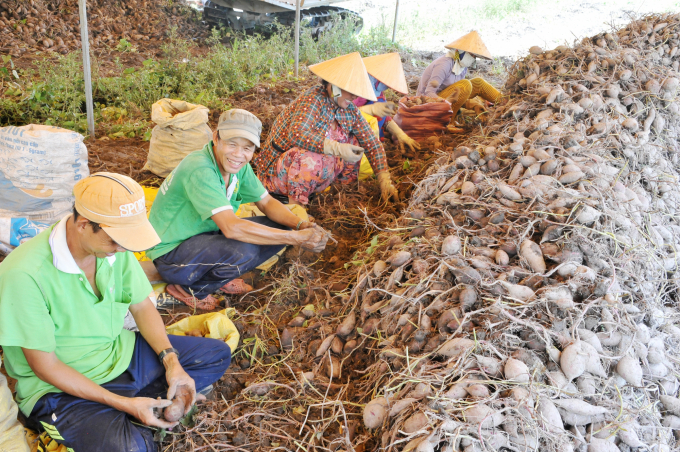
204, 245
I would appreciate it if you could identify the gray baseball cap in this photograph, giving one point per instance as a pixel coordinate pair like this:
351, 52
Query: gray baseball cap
237, 123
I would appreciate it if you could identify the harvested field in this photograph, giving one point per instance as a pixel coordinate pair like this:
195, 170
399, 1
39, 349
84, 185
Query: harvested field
526, 304
522, 296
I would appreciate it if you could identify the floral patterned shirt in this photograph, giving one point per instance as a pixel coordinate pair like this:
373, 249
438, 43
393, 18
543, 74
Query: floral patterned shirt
305, 123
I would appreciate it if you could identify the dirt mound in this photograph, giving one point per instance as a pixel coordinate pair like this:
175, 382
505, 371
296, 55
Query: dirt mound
54, 25
527, 300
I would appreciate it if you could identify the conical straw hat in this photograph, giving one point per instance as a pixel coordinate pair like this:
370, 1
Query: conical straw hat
472, 43
346, 72
387, 69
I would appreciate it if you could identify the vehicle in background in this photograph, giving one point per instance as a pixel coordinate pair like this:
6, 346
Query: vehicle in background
244, 15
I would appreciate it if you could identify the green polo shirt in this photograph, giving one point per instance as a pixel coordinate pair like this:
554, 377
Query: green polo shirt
193, 193
47, 304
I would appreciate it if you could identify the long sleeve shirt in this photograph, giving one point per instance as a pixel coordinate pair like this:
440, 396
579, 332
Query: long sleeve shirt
440, 71
304, 124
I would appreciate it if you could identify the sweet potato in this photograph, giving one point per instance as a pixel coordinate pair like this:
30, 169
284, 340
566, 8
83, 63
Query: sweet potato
417, 421
630, 370
550, 415
531, 252
400, 406
375, 412
516, 370
483, 414
180, 404
347, 325
579, 407
573, 361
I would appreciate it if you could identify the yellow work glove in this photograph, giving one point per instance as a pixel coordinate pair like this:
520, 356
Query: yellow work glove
404, 139
379, 109
387, 190
345, 151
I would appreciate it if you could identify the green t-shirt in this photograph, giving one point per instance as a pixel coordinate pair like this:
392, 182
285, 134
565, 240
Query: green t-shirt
47, 304
193, 193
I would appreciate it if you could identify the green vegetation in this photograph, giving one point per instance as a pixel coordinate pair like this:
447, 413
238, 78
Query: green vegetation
53, 93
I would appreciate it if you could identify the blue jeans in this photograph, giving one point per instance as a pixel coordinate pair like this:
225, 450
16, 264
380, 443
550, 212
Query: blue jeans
87, 426
205, 262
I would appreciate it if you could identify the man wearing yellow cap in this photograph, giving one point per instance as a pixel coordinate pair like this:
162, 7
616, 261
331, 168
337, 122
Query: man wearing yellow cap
446, 75
205, 247
64, 295
386, 71
321, 137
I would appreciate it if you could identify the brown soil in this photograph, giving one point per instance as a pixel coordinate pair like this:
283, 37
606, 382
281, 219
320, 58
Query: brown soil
124, 156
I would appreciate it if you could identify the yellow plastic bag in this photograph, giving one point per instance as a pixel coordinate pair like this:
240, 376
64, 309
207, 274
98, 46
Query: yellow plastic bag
372, 122
365, 170
149, 197
216, 325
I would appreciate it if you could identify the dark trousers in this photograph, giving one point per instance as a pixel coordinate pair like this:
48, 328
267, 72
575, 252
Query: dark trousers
205, 262
86, 426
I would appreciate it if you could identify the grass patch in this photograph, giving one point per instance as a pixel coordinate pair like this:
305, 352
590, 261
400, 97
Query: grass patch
54, 92
498, 9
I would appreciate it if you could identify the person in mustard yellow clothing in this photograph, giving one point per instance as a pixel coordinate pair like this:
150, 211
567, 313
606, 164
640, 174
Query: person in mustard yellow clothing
446, 75
81, 378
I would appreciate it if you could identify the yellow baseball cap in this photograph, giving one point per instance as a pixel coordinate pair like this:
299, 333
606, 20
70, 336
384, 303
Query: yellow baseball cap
117, 203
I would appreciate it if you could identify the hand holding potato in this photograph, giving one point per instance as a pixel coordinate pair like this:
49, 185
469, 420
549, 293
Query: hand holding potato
180, 384
313, 238
143, 408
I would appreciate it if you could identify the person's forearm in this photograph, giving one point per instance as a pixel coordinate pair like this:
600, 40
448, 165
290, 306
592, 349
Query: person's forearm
431, 91
52, 370
437, 77
150, 325
257, 234
278, 213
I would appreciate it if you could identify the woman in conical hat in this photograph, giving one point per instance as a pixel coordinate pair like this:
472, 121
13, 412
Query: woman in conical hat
385, 71
321, 137
446, 75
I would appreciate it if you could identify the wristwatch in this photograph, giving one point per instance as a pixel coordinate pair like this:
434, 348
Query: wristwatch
162, 354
